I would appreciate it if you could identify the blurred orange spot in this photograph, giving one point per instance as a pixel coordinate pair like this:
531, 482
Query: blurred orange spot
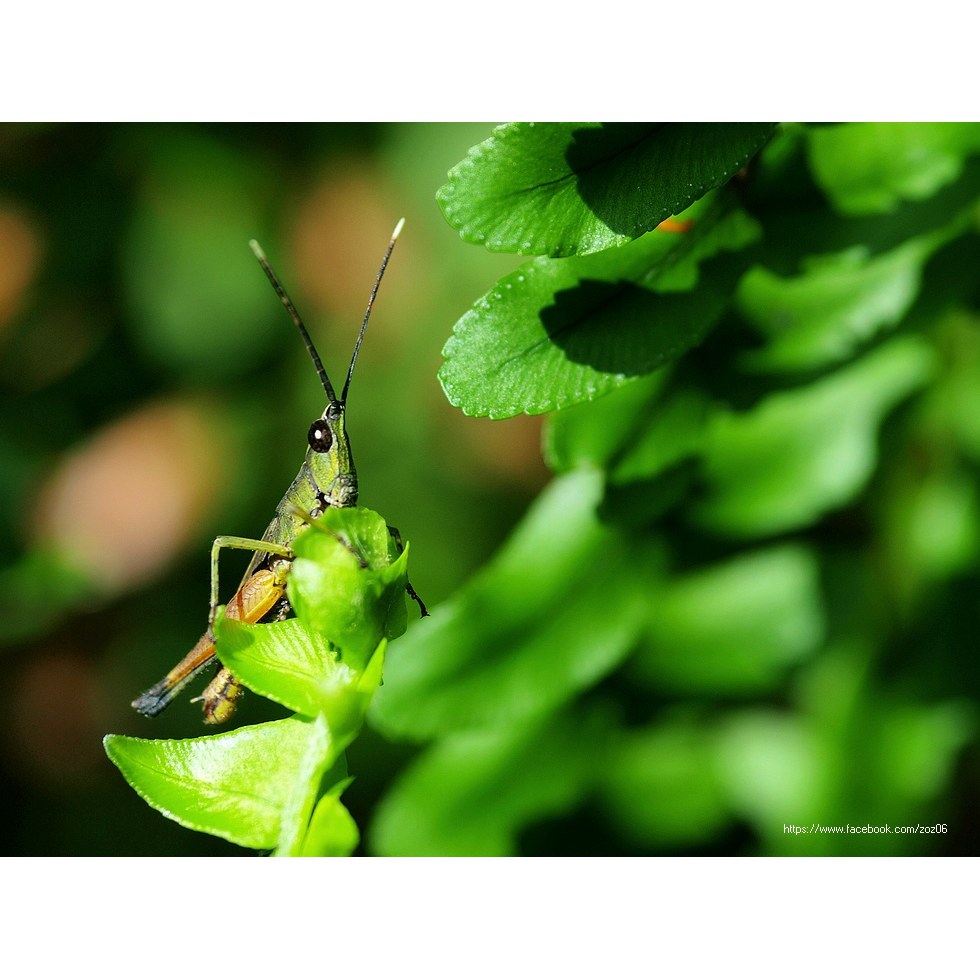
20, 252
123, 505
675, 225
503, 453
338, 238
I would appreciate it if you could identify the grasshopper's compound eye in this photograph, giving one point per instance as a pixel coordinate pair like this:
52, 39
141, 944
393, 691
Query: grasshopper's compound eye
320, 437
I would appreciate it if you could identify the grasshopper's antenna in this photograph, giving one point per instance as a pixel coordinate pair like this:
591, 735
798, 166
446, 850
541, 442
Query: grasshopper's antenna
367, 314
288, 303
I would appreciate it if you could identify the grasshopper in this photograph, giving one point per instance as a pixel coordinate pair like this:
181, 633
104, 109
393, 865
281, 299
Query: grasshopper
327, 478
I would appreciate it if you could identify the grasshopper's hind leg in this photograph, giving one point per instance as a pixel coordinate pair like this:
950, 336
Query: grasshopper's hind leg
221, 696
255, 597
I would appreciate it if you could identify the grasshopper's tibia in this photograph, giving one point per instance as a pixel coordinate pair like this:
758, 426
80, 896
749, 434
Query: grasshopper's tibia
396, 536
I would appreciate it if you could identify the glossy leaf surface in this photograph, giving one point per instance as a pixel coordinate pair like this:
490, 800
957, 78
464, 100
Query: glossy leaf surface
560, 189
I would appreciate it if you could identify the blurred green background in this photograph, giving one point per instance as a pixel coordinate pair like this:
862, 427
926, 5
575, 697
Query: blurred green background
154, 394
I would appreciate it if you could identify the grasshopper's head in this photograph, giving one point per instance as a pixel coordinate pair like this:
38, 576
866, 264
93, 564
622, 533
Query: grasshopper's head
329, 461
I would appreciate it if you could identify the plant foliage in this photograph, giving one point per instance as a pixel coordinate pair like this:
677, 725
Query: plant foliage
743, 600
276, 786
719, 617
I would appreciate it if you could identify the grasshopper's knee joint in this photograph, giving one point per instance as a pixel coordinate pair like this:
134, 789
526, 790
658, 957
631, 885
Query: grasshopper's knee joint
280, 571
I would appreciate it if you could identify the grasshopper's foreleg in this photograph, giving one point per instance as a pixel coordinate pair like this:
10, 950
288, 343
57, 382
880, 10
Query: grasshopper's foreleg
396, 536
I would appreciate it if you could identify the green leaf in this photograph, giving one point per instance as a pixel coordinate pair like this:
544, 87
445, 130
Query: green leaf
299, 668
332, 831
321, 753
786, 251
226, 784
662, 788
558, 332
634, 433
283, 661
346, 583
673, 433
914, 746
766, 616
957, 402
596, 433
868, 168
839, 304
646, 435
775, 769
799, 453
865, 749
556, 610
562, 189
933, 526
471, 793
362, 531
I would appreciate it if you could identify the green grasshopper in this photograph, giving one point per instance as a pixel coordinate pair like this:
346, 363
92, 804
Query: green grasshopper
327, 478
